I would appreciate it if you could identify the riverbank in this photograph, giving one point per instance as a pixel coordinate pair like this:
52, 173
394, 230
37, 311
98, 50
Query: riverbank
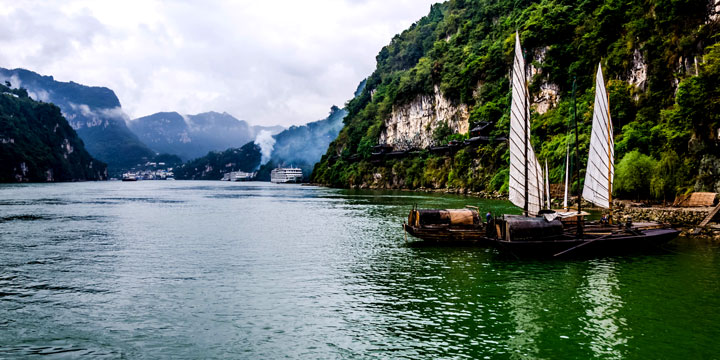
685, 219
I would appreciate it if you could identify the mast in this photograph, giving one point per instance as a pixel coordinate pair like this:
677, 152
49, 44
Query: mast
610, 160
577, 160
567, 172
526, 124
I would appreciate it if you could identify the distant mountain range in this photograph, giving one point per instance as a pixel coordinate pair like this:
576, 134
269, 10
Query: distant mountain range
37, 144
193, 136
109, 135
93, 112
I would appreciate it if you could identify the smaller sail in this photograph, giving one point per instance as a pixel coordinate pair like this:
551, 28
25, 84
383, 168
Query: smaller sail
547, 185
600, 166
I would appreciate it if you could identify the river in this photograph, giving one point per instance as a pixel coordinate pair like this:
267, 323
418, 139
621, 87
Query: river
191, 269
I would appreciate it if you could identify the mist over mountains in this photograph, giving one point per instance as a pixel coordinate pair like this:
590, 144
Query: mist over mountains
193, 136
93, 112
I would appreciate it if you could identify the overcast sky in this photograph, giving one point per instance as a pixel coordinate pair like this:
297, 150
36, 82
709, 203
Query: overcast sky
268, 62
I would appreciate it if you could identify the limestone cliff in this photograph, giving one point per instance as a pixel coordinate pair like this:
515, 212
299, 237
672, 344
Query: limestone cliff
412, 125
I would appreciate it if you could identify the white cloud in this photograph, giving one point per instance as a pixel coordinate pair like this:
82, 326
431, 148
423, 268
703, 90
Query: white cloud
268, 62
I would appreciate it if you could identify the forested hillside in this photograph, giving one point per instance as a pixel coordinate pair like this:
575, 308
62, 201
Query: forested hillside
450, 71
37, 144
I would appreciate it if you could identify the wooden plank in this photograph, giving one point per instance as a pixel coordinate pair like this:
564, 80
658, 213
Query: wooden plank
704, 223
710, 216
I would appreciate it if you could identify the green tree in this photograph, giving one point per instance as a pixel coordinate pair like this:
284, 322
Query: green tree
633, 175
664, 180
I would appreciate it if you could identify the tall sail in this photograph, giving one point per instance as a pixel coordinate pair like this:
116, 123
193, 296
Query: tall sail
524, 167
600, 167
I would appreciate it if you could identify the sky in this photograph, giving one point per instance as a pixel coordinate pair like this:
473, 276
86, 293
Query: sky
282, 62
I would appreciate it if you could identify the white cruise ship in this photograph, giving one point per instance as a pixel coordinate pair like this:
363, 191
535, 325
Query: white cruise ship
286, 175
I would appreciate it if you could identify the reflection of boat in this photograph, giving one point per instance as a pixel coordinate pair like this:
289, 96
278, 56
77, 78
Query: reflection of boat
286, 175
543, 231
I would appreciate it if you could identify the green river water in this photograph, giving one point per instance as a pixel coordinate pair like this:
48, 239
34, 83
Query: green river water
197, 270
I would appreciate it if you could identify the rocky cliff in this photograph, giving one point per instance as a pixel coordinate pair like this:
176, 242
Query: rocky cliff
413, 125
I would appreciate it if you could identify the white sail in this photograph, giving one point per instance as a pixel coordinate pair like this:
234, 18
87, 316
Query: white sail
547, 185
600, 167
522, 156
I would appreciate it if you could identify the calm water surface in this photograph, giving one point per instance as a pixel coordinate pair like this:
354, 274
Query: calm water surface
162, 269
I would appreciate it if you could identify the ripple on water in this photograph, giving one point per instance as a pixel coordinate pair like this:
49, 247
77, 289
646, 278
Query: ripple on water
261, 271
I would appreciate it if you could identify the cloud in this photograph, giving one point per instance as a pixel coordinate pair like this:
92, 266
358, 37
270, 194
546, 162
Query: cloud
279, 62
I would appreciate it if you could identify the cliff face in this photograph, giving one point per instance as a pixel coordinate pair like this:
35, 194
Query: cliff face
38, 145
413, 125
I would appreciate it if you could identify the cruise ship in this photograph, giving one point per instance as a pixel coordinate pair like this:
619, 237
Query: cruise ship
286, 175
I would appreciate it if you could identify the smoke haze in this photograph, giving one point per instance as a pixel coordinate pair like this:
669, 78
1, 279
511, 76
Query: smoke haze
266, 142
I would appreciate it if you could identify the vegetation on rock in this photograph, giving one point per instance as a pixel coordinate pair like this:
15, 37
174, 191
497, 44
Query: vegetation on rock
660, 57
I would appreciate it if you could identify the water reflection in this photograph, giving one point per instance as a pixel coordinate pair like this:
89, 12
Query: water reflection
234, 270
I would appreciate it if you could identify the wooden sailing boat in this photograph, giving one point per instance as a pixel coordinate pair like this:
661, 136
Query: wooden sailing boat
546, 235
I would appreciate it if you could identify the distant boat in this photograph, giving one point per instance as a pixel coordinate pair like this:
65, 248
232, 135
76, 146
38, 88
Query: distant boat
129, 177
238, 176
286, 175
243, 176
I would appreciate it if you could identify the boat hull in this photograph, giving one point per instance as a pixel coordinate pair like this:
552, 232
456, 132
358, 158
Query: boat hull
448, 234
592, 245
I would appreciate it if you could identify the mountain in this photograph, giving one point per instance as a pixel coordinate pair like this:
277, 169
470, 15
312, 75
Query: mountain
37, 144
93, 112
449, 72
213, 165
193, 136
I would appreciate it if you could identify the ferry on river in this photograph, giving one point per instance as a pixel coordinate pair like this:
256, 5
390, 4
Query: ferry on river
286, 175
